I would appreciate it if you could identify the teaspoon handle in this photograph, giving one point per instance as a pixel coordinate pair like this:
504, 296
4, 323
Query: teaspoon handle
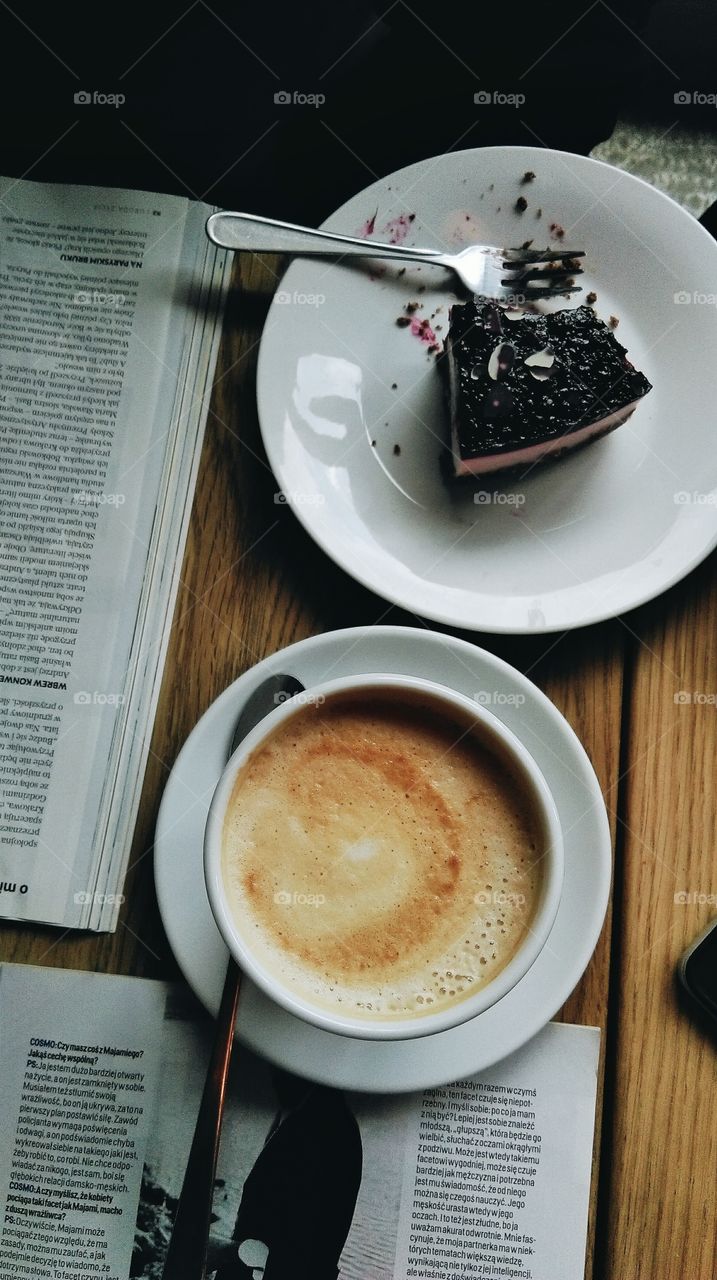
187, 1253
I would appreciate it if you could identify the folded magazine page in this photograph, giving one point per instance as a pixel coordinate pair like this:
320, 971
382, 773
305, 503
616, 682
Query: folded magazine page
103, 1076
108, 338
79, 1060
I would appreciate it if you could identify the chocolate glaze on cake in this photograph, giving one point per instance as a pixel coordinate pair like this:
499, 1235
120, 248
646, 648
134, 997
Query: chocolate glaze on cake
528, 388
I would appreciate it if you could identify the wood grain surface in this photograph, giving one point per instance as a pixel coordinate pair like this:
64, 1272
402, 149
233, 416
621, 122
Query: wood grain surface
253, 581
660, 1209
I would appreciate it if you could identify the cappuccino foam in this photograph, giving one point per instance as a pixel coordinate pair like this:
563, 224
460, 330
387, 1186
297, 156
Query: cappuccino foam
378, 859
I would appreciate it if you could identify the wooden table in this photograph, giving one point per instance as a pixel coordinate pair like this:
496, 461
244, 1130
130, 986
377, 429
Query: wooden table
253, 581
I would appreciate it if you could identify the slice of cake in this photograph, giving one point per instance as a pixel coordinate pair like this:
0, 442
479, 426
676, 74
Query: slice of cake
527, 387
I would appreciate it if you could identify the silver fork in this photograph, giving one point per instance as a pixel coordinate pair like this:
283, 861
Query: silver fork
504, 274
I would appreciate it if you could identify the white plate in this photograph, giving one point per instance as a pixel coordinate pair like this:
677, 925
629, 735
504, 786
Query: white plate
595, 534
390, 1067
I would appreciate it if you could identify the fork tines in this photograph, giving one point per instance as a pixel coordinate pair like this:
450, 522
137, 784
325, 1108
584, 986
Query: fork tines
547, 273
527, 293
555, 277
524, 257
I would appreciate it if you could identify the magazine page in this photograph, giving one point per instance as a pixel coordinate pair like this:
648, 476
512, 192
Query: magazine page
101, 336
79, 1055
207, 273
497, 1174
488, 1177
103, 1077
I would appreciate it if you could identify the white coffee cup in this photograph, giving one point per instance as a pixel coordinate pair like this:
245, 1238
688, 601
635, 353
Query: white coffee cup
235, 923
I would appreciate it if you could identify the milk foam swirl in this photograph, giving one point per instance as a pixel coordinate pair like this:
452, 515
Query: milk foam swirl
378, 859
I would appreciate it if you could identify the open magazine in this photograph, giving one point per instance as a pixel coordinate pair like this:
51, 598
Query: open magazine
110, 317
488, 1177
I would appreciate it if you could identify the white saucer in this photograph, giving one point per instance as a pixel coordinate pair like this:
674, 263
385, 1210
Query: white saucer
353, 418
390, 1067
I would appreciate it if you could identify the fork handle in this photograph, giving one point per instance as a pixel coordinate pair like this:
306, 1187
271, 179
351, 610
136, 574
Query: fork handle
187, 1253
267, 235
